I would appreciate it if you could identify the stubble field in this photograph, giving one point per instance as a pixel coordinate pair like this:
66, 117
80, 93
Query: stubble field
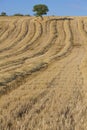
43, 73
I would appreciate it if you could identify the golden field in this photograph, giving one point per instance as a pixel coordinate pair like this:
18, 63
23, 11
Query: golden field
43, 73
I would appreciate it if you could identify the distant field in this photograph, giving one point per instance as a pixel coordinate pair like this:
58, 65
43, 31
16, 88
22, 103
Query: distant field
43, 73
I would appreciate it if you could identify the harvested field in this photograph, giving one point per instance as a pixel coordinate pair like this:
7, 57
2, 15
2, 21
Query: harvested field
43, 73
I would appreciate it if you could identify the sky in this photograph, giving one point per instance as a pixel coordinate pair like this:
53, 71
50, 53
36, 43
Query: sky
56, 7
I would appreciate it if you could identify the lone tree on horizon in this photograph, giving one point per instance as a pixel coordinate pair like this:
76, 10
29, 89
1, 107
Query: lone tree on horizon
40, 9
3, 14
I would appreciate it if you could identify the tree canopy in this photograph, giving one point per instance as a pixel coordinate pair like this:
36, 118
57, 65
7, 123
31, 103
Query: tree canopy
3, 14
40, 9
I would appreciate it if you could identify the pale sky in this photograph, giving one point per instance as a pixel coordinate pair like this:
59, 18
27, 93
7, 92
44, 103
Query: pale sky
56, 7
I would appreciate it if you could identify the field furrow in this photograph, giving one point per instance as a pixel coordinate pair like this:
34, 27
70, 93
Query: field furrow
43, 73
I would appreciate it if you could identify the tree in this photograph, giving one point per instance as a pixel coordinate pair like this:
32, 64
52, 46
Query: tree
40, 9
18, 14
27, 15
3, 14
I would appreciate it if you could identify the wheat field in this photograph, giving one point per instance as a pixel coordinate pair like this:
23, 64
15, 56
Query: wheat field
43, 73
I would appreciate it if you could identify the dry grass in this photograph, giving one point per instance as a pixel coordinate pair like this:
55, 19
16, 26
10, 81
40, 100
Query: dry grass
43, 73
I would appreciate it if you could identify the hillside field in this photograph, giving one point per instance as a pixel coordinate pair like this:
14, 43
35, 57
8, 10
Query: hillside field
43, 73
